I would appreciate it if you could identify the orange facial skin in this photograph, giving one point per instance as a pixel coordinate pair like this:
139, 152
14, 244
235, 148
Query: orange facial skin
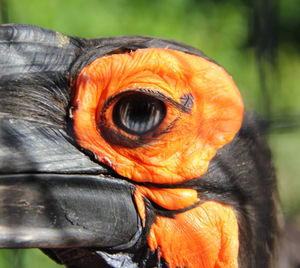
189, 140
204, 111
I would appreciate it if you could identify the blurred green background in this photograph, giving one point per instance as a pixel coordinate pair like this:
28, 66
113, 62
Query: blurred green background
256, 41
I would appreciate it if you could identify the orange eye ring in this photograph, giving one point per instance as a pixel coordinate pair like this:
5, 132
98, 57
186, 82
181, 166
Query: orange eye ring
203, 112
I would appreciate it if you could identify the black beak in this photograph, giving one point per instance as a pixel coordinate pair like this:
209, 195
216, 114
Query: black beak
52, 195
47, 210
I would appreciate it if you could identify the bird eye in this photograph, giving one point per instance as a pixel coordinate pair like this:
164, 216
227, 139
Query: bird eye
138, 113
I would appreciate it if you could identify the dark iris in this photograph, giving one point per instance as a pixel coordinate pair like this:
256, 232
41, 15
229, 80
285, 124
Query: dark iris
138, 113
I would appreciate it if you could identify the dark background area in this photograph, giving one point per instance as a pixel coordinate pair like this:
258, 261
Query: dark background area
258, 42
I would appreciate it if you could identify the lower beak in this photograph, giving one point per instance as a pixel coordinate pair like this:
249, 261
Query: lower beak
55, 210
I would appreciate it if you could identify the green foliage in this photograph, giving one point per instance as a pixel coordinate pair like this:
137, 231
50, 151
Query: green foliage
286, 148
220, 30
25, 258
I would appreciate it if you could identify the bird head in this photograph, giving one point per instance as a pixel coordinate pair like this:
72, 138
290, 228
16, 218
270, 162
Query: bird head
130, 151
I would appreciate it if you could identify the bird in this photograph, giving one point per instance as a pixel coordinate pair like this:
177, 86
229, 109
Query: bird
130, 151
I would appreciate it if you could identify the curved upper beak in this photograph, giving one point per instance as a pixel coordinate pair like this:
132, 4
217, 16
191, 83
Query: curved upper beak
52, 194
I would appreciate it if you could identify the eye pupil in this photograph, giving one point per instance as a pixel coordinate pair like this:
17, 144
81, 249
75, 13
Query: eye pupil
138, 113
